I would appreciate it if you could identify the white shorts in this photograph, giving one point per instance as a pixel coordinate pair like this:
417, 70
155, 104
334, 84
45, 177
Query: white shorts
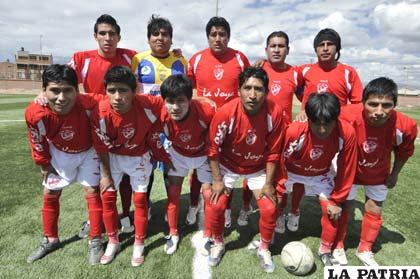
183, 164
138, 168
256, 180
71, 167
320, 185
374, 192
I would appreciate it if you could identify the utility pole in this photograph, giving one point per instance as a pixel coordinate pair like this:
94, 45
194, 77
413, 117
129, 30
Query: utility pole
217, 7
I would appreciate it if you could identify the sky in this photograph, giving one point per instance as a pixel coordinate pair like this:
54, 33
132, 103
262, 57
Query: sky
379, 38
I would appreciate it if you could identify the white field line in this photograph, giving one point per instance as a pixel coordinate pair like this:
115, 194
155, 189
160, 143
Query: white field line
12, 120
200, 267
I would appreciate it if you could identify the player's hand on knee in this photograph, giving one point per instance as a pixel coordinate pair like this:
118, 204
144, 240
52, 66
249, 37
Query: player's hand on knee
217, 189
106, 183
334, 212
269, 192
46, 170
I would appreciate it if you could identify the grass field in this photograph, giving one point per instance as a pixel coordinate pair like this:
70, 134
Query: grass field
20, 230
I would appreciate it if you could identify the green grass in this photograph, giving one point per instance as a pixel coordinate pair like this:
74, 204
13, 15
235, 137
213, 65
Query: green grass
20, 230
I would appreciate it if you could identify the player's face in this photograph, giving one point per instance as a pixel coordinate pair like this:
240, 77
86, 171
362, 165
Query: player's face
277, 50
218, 40
160, 43
378, 109
61, 96
322, 129
253, 95
178, 107
107, 38
326, 51
120, 96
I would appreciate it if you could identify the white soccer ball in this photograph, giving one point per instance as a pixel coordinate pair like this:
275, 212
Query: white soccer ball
297, 258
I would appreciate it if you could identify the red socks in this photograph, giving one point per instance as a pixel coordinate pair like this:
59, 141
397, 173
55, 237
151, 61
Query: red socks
246, 194
195, 188
94, 204
125, 193
267, 221
50, 213
206, 197
342, 229
215, 215
297, 194
140, 215
329, 229
172, 210
371, 225
110, 214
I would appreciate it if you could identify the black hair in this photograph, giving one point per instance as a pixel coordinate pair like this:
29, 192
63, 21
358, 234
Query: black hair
218, 22
255, 72
175, 86
381, 86
279, 34
328, 34
105, 18
121, 74
156, 23
58, 73
322, 107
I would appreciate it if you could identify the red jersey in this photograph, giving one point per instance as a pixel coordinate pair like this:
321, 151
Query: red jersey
342, 81
91, 67
69, 133
133, 133
375, 144
217, 78
189, 137
305, 154
283, 84
244, 143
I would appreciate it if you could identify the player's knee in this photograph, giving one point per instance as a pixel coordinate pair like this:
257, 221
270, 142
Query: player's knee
52, 192
373, 206
91, 189
140, 200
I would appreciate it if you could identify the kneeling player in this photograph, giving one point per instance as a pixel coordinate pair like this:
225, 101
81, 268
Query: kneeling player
185, 123
380, 131
308, 152
122, 126
245, 139
59, 134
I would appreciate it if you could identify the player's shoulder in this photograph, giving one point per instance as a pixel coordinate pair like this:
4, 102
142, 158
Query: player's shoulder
346, 129
142, 55
35, 112
351, 112
203, 106
199, 54
405, 122
295, 129
304, 68
343, 66
129, 52
85, 54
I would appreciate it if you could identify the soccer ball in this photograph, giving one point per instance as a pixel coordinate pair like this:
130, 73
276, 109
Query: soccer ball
297, 258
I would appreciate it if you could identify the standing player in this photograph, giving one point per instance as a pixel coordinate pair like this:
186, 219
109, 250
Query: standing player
152, 67
309, 149
381, 131
61, 145
185, 123
245, 138
91, 66
122, 127
214, 73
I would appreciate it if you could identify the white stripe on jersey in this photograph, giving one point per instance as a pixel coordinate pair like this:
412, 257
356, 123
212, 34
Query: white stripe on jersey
232, 121
305, 70
269, 123
150, 115
102, 125
300, 142
340, 143
41, 128
346, 76
127, 58
85, 68
197, 59
241, 63
295, 74
202, 123
399, 136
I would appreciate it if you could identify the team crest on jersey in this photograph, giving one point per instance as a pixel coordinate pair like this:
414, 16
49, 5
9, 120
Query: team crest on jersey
322, 87
275, 89
315, 153
369, 146
218, 72
67, 135
185, 137
128, 132
251, 137
146, 70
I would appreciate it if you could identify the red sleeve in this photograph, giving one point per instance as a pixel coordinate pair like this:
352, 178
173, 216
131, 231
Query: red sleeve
190, 72
217, 134
153, 103
299, 83
75, 63
275, 138
155, 145
90, 101
357, 88
36, 135
406, 136
100, 139
245, 60
346, 165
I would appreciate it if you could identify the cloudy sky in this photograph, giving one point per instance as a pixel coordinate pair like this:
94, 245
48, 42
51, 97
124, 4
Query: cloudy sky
378, 37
